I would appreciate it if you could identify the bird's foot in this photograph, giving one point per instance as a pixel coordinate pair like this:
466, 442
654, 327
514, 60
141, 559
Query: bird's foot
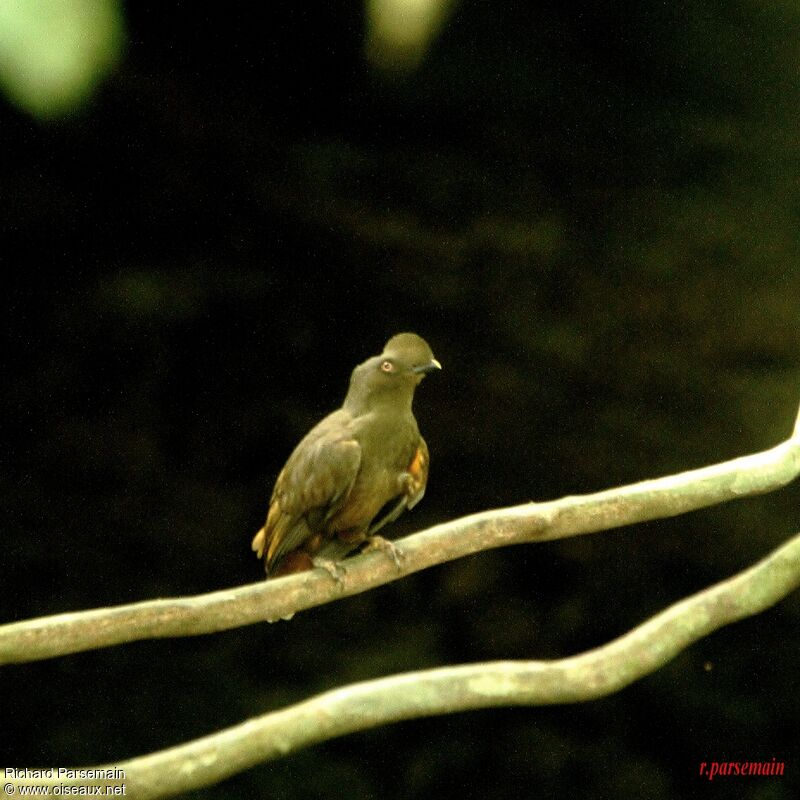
333, 568
385, 546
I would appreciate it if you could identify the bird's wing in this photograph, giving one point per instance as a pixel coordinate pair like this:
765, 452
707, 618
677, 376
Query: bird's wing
317, 477
415, 483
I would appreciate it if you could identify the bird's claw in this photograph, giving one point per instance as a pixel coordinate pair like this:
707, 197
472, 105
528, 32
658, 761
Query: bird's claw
333, 568
385, 546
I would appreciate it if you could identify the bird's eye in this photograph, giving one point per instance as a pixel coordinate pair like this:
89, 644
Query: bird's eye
387, 366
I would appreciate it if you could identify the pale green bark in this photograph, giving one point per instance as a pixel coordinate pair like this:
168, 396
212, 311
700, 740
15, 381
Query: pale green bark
47, 637
361, 706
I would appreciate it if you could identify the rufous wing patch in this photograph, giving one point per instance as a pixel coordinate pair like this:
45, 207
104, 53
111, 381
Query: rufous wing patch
257, 545
418, 471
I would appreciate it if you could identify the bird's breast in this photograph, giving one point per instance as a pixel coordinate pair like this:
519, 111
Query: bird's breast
367, 497
386, 452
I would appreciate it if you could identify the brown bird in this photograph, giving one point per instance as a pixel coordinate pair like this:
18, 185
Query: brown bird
356, 470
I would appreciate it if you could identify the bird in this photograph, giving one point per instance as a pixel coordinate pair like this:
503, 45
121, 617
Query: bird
355, 471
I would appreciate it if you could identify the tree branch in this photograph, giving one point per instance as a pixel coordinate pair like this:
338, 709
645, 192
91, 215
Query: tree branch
47, 637
366, 705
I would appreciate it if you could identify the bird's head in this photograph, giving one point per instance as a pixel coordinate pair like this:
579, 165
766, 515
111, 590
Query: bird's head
393, 375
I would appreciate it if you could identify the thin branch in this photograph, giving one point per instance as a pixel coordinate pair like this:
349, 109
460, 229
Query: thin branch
48, 637
366, 705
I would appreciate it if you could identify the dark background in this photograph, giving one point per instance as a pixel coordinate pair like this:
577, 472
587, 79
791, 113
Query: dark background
589, 210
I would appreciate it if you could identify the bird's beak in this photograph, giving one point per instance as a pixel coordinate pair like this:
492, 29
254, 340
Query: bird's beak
424, 369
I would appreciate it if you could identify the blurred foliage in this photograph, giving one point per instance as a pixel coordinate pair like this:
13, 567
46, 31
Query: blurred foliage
590, 211
399, 32
54, 53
